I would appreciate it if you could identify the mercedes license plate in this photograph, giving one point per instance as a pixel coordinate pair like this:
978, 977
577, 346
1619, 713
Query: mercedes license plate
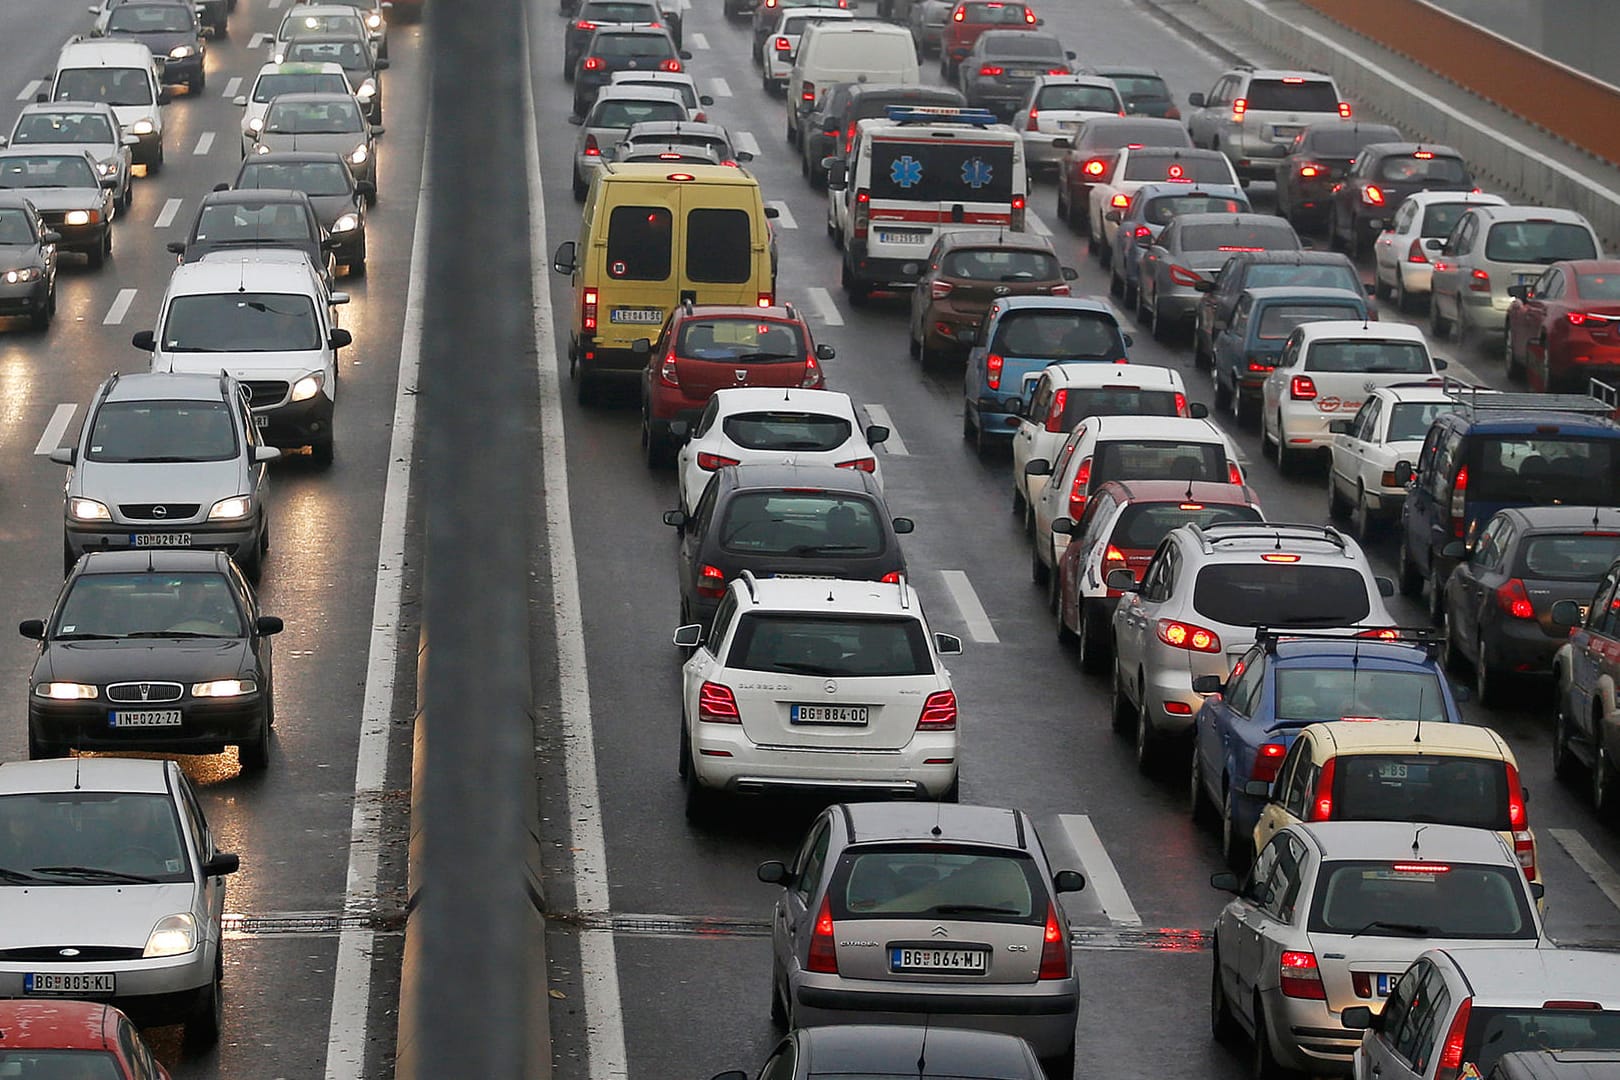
850, 715
963, 961
901, 236
145, 718
149, 540
62, 982
638, 316
1386, 983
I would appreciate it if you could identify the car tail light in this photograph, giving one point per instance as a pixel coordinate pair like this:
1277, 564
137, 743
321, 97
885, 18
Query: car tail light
1121, 201
584, 24
1524, 844
865, 464
823, 958
807, 91
1322, 804
1029, 16
1372, 195
1268, 759
1234, 475
1361, 982
1451, 1051
1031, 124
849, 137
1054, 417
1183, 276
1181, 405
1459, 502
1344, 109
1054, 947
1180, 635
958, 15
1302, 388
1078, 490
592, 63
813, 377
1142, 231
1311, 171
1112, 554
1172, 113
993, 366
1300, 976
992, 70
1576, 318
862, 215
710, 462
1512, 598
1260, 364
716, 703
1094, 167
591, 149
1060, 290
1479, 281
1016, 217
1414, 254
1239, 107
939, 290
668, 373
764, 299
938, 712
587, 313
672, 64
783, 44
1063, 71
1382, 633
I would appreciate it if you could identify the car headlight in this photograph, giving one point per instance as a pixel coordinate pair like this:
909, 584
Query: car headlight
180, 52
174, 935
78, 217
368, 89
360, 154
231, 509
281, 58
66, 691
256, 124
308, 386
224, 688
107, 168
374, 20
261, 149
20, 277
346, 223
142, 127
88, 510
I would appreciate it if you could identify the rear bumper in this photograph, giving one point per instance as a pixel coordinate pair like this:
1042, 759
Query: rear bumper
725, 759
1308, 1036
894, 273
1518, 646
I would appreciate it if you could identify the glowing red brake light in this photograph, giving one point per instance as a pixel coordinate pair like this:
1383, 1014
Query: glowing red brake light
958, 15
1183, 276
716, 703
823, 956
710, 462
1306, 172
593, 63
1300, 976
668, 372
1480, 281
1268, 759
1322, 804
1029, 16
587, 311
1079, 490
1114, 555
1512, 598
992, 69
1279, 557
1181, 410
1032, 125
1302, 388
1344, 109
1373, 195
584, 24
1239, 107
1414, 254
1094, 167
993, 366
1180, 635
1054, 947
1234, 475
1142, 231
1576, 318
938, 712
783, 44
813, 377
1054, 418
864, 464
591, 149
672, 64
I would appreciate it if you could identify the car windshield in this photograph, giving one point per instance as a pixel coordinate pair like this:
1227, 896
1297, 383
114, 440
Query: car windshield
1493, 1032
1157, 459
1142, 525
149, 605
251, 223
1281, 594
58, 836
1369, 357
149, 431
810, 432
1314, 695
1077, 98
346, 54
46, 171
1240, 235
1277, 321
150, 19
15, 227
1162, 209
1178, 169
115, 86
1410, 420
60, 1065
624, 46
753, 340
1536, 469
1415, 168
808, 524
47, 127
320, 24
1305, 275
1385, 899
311, 177
1345, 140
1012, 264
1576, 556
918, 171
1080, 402
1019, 46
337, 116
241, 322
905, 882
1446, 790
1590, 286
1059, 335
618, 113
1538, 242
850, 646
1293, 95
269, 86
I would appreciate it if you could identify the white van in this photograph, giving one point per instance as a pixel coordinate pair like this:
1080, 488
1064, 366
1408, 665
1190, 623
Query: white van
126, 76
854, 50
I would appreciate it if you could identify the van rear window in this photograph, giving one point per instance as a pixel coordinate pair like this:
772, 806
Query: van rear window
1538, 242
719, 246
1281, 95
1545, 469
638, 243
942, 171
1173, 169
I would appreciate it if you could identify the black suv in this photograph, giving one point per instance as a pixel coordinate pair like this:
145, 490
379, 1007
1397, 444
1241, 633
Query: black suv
1257, 270
784, 520
829, 129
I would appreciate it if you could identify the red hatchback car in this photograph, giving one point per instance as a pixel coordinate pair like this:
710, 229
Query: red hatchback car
704, 348
1564, 328
80, 1039
969, 19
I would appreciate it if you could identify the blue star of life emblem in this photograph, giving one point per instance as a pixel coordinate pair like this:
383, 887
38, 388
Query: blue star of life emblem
905, 172
976, 173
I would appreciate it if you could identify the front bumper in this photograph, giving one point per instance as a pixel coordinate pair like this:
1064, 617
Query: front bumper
237, 539
1309, 1037
206, 726
297, 423
186, 70
24, 298
725, 759
148, 150
156, 992
84, 238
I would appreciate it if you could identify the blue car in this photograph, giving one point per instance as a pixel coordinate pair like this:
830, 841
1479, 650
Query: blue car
1285, 683
1019, 336
1248, 348
1150, 211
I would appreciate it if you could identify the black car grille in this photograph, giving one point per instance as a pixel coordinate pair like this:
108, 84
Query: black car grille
158, 511
52, 954
52, 218
261, 392
142, 693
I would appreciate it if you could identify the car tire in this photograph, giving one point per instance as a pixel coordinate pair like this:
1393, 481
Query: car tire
1563, 759
657, 450
1017, 500
96, 257
1283, 456
1146, 744
255, 754
699, 806
779, 1012
1223, 396
952, 794
40, 318
1198, 804
1234, 848
1602, 778
1054, 582
982, 444
1122, 711
1223, 1026
1039, 572
1363, 522
207, 1014
128, 197
1245, 409
1338, 508
1060, 1067
1488, 684
582, 188
197, 85
1163, 329
1116, 284
858, 292
1405, 303
1094, 640
1439, 325
1450, 658
1263, 1064
1407, 578
1510, 361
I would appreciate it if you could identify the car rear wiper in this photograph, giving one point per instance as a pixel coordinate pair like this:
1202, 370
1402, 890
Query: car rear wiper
973, 909
801, 669
765, 356
1415, 929
97, 873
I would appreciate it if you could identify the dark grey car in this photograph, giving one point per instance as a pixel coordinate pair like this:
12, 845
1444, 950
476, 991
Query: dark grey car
913, 1051
239, 220
998, 71
339, 199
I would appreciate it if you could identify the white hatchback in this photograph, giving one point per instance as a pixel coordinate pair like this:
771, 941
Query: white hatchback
1389, 429
749, 426
614, 112
817, 683
1054, 108
1401, 263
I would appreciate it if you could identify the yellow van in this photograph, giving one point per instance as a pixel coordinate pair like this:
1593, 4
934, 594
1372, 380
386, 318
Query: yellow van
651, 238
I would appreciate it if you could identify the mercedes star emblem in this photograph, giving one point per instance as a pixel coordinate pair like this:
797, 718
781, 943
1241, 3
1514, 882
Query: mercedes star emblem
830, 686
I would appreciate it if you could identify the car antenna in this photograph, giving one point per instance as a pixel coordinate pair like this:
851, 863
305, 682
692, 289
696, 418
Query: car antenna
76, 760
1595, 517
1417, 736
922, 1052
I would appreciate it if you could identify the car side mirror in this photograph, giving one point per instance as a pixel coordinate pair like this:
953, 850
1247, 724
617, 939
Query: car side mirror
1062, 143
1403, 473
1341, 427
165, 96
675, 519
903, 526
340, 338
64, 455
1565, 613
1129, 339
223, 862
1439, 364
1357, 1018
1070, 54
109, 182
42, 97
1204, 286
772, 213
825, 352
564, 260
640, 347
773, 872
1121, 579
1537, 890
175, 247
144, 339
1196, 100
1455, 549
33, 629
240, 100
1386, 586
1519, 292
222, 186
381, 65
830, 126
378, 129
51, 236
705, 100
1198, 410
1068, 881
744, 157
1258, 789
1070, 274
1208, 684
685, 54
947, 644
680, 430
270, 624
1114, 216
689, 636
1372, 289
1225, 880
837, 173
730, 1074
1037, 467
265, 454
876, 434
1063, 526
338, 299
1434, 243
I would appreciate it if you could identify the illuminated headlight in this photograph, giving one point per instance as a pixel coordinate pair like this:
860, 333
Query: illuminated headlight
261, 149
224, 688
374, 20
281, 58
107, 168
256, 124
346, 223
367, 91
23, 276
88, 510
308, 386
360, 154
180, 52
142, 127
66, 691
78, 217
232, 509
174, 935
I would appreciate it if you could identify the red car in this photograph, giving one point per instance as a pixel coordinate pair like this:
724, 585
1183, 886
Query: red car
1564, 328
704, 348
72, 1038
968, 20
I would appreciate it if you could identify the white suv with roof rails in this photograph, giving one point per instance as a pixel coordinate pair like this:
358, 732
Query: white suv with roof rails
817, 683
1252, 116
1202, 599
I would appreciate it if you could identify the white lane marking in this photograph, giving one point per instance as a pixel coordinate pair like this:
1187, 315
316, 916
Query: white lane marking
30, 89
205, 143
1102, 879
1586, 857
1034, 221
260, 40
719, 87
825, 306
60, 418
120, 307
967, 603
745, 141
348, 1028
273, 4
894, 444
233, 86
165, 216
1119, 316
784, 216
698, 39
598, 956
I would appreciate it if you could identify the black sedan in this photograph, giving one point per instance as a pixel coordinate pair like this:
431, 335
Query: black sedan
912, 1052
997, 72
153, 650
362, 67
338, 198
1383, 175
255, 219
615, 48
27, 261
170, 29
1318, 159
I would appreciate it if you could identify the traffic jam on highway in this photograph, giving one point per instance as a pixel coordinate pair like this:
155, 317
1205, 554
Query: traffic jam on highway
1387, 896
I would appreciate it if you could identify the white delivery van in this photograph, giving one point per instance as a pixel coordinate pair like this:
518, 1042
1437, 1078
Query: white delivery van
126, 76
854, 50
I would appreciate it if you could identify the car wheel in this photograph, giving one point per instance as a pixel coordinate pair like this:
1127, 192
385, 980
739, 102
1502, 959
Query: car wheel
1602, 777
1017, 496
1222, 1024
1439, 327
1039, 572
255, 755
1244, 408
1146, 744
1060, 1067
1123, 711
1263, 1065
128, 196
1488, 684
40, 318
1053, 582
1436, 596
1234, 847
1563, 760
1510, 360
1450, 658
1116, 284
1223, 396
1162, 328
1362, 521
1198, 805
1284, 456
779, 1013
1403, 299
97, 256
952, 794
699, 800
858, 292
658, 452
207, 1014
1407, 578
197, 85
1337, 507
1093, 634
252, 564
581, 188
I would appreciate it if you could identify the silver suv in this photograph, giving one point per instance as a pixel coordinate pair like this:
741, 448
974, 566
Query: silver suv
167, 461
1252, 116
1203, 597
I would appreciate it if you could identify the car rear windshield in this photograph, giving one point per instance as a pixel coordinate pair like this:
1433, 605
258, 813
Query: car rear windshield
1306, 275
638, 243
995, 14
1142, 525
1292, 95
1059, 335
928, 883
1545, 469
150, 431
1538, 242
269, 86
1019, 46
132, 833
870, 106
1345, 140
618, 13
1576, 556
241, 322
808, 524
1369, 357
148, 605
62, 128
248, 223
752, 340
1112, 136
1421, 900
115, 86
629, 45
1416, 169
1411, 420
1319, 695
311, 177
809, 432
1162, 209
1195, 170
1493, 1032
1240, 236
1080, 402
1079, 98
1281, 594
1277, 321
1598, 286
622, 114
941, 172
990, 264
719, 245
830, 645
60, 1064
1136, 89
1471, 792
685, 88
1157, 459
1440, 218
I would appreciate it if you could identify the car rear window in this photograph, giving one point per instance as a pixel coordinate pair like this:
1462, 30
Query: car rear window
225, 222
870, 106
719, 245
1059, 335
1306, 275
939, 172
622, 114
755, 341
638, 243
1581, 556
1112, 136
1281, 594
1142, 525
627, 45
1420, 899
1292, 95
1240, 236
1157, 459
125, 832
1079, 98
1080, 402
1168, 167
1001, 265
1532, 469
1466, 791
67, 1064
1345, 140
1598, 286
270, 85
808, 524
995, 14
1493, 1032
1015, 46
1162, 209
687, 92
1369, 357
915, 883
1277, 321
1415, 168
786, 431
1318, 695
1538, 242
618, 13
1137, 89
830, 645
1411, 420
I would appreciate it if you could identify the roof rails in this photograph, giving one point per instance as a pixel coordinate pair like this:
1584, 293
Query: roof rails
1426, 637
1601, 399
1247, 530
1433, 384
941, 114
749, 580
905, 593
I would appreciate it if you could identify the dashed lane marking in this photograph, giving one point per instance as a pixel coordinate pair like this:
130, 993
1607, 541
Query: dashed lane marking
273, 4
1102, 878
165, 216
1036, 223
120, 307
61, 417
745, 141
967, 603
30, 89
894, 444
698, 39
205, 143
784, 216
259, 40
826, 309
1586, 857
233, 86
719, 87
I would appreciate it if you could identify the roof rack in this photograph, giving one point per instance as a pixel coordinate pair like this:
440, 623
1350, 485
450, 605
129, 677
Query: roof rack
1245, 530
1426, 637
749, 580
1601, 399
941, 114
1434, 384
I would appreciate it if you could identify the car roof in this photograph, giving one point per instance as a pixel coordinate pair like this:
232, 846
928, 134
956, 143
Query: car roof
1118, 428
103, 52
1410, 737
156, 560
1298, 258
165, 385
1058, 303
1564, 518
1508, 212
843, 596
1088, 374
254, 195
945, 822
1124, 69
995, 238
1422, 392
257, 271
1357, 329
1396, 841
1409, 148
1592, 266
1348, 652
735, 399
1244, 537
812, 477
1281, 73
1519, 977
1073, 79
48, 107
896, 1050
143, 775
293, 157
56, 1024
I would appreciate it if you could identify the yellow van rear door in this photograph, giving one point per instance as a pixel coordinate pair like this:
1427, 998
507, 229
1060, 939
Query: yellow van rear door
723, 261
638, 264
